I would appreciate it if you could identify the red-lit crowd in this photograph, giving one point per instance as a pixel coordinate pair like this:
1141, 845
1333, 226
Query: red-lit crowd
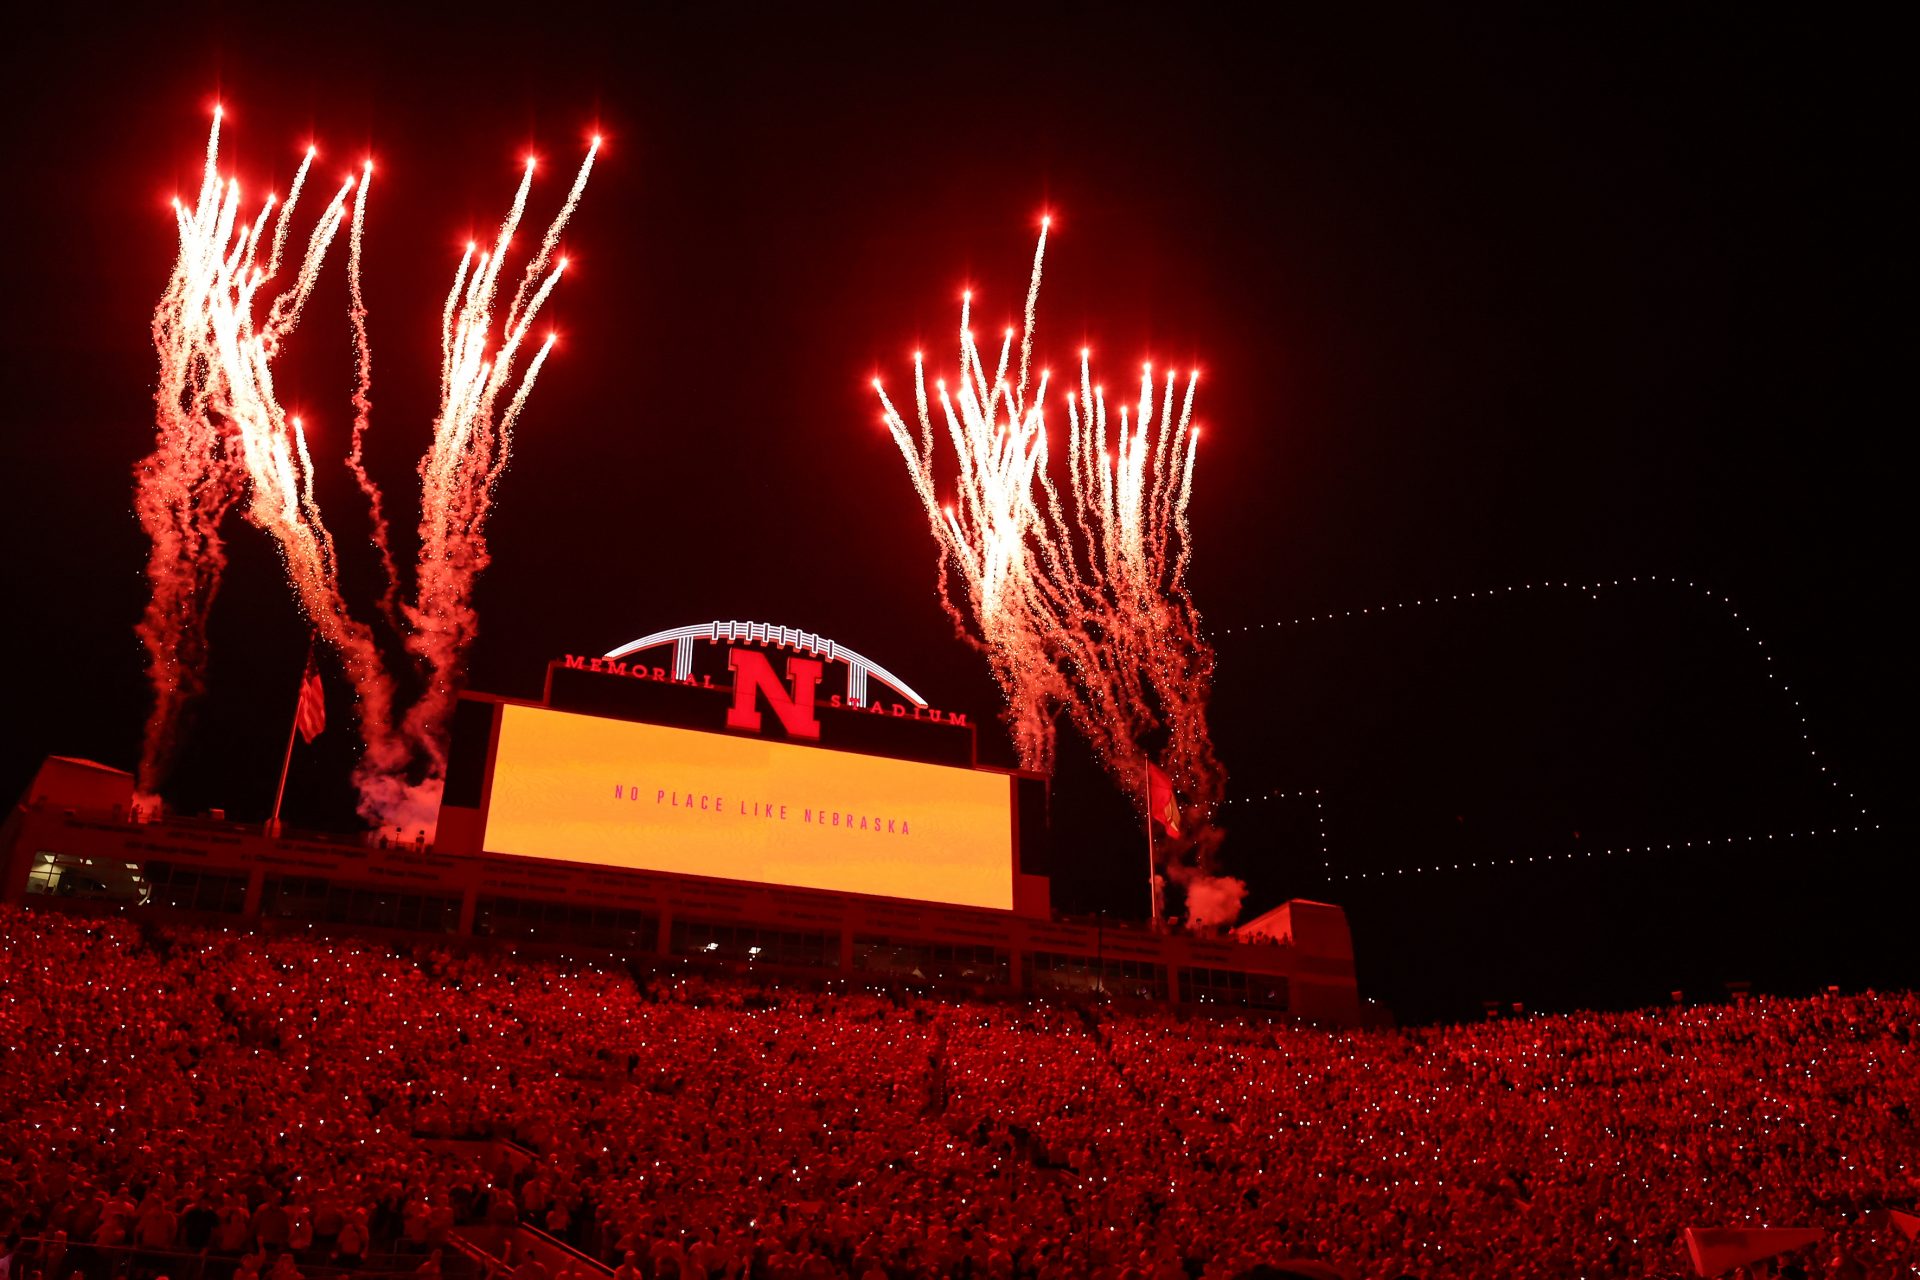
289, 1106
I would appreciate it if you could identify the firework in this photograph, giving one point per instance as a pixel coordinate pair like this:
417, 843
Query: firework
1077, 593
472, 442
1131, 633
985, 532
183, 489
363, 401
230, 333
223, 433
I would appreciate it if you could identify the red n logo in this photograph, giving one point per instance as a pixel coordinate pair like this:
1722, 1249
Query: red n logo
753, 676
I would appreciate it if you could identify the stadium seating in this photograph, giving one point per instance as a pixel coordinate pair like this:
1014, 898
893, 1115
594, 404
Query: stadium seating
291, 1105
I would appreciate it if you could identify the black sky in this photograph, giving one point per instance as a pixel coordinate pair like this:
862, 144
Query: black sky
1480, 300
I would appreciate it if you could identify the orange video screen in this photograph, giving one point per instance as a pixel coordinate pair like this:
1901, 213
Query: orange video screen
612, 792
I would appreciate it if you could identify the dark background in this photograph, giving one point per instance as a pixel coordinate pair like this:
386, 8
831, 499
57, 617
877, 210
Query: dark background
1480, 302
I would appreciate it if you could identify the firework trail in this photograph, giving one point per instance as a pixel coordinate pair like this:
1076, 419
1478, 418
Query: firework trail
1149, 671
363, 401
472, 442
223, 433
984, 534
183, 490
1079, 601
235, 347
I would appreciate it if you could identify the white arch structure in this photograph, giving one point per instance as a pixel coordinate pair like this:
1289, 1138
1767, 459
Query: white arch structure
859, 668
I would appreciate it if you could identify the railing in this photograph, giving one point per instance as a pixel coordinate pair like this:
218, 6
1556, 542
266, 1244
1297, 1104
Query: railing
482, 1264
116, 815
499, 1246
134, 1262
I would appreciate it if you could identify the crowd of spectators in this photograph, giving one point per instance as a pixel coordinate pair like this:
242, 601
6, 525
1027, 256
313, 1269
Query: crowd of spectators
287, 1105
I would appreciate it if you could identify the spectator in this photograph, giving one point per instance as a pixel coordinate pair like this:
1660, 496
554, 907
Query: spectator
271, 1224
300, 1229
281, 1093
350, 1246
531, 1268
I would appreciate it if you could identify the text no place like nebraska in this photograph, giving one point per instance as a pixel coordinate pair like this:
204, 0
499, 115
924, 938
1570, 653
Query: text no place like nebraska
706, 802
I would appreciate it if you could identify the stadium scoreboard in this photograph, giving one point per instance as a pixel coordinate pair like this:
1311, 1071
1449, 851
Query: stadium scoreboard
650, 797
758, 771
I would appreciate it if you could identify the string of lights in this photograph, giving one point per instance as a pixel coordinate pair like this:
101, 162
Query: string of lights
1579, 854
1593, 590
1319, 815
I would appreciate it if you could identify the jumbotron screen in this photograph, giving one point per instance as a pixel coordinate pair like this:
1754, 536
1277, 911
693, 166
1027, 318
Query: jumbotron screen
616, 793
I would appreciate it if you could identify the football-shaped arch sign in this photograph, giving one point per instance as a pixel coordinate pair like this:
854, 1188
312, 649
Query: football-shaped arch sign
860, 669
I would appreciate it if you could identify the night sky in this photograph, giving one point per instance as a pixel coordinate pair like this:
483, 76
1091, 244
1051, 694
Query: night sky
1479, 302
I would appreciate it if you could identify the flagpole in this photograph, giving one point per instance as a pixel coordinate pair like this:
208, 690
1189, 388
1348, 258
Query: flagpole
1153, 885
286, 763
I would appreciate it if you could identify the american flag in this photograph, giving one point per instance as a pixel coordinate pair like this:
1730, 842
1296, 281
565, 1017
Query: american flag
310, 716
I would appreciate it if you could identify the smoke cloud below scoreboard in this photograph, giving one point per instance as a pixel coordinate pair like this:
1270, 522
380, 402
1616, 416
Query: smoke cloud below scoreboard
618, 793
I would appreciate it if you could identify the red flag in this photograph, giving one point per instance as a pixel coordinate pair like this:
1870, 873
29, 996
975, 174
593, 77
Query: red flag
1908, 1223
1717, 1250
1162, 805
310, 714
